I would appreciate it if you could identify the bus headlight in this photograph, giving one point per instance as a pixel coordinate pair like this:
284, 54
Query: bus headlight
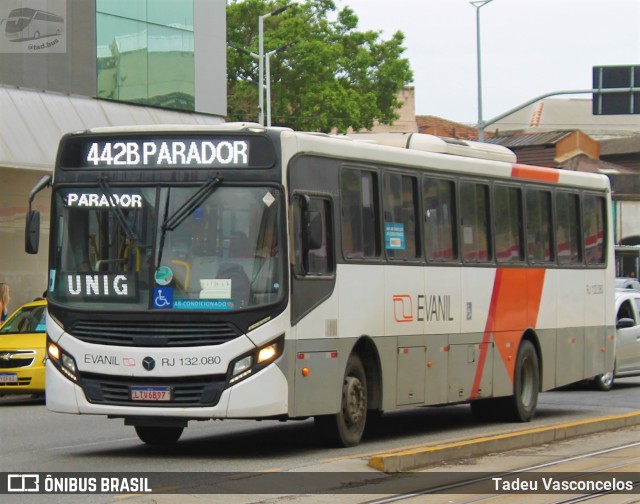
62, 361
251, 363
268, 353
242, 365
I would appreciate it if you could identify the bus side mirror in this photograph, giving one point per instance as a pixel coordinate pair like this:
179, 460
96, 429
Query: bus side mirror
32, 228
314, 231
32, 232
311, 225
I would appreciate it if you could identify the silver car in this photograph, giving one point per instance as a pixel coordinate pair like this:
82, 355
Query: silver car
627, 283
627, 362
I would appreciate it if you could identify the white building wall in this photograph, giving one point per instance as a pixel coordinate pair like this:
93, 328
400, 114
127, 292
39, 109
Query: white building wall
628, 220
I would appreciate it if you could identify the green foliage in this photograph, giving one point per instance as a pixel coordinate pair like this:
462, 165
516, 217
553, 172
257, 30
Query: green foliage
331, 77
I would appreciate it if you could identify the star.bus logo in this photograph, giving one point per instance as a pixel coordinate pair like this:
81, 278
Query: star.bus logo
148, 363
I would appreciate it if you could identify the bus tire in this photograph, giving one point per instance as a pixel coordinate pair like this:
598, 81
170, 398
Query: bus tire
346, 427
521, 406
156, 436
604, 382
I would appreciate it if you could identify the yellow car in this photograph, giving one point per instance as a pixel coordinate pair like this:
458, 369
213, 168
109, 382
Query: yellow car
22, 350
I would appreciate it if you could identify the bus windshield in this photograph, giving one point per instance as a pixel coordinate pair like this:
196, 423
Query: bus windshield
18, 20
209, 248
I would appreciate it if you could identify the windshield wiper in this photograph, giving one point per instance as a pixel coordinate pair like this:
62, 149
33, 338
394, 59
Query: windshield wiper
103, 182
185, 210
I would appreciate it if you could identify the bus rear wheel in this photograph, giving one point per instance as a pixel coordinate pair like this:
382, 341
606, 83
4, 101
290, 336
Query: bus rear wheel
157, 436
346, 427
526, 384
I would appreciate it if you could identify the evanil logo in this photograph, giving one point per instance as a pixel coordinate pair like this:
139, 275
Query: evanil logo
430, 308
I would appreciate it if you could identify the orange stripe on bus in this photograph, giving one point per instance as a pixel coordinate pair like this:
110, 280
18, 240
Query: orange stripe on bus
515, 303
535, 173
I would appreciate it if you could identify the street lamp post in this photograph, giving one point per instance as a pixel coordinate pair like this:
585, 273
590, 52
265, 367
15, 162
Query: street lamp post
261, 59
477, 4
267, 57
268, 85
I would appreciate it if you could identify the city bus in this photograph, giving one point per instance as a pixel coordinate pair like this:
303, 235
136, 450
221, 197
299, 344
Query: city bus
28, 24
237, 271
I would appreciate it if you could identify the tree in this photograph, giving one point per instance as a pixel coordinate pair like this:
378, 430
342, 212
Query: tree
331, 76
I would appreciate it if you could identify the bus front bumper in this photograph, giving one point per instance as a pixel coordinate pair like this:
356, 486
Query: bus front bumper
262, 395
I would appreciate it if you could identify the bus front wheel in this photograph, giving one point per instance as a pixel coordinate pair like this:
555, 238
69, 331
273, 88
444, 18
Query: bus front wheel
158, 435
346, 427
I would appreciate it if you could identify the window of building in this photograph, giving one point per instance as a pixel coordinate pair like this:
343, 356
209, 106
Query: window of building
145, 52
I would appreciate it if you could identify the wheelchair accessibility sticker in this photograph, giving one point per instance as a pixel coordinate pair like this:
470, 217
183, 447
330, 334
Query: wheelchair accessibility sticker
163, 297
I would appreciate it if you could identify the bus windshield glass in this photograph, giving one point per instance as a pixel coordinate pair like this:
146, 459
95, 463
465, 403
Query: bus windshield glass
211, 247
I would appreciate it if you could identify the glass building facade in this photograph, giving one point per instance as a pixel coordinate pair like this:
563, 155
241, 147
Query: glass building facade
145, 52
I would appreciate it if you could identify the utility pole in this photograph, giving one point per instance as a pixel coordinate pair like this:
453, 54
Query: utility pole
478, 4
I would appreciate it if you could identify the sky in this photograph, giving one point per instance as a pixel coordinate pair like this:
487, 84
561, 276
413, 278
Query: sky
528, 48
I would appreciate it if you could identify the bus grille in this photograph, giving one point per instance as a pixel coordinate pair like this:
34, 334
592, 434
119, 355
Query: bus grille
197, 391
154, 334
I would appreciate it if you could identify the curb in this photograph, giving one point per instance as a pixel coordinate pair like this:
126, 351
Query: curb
430, 455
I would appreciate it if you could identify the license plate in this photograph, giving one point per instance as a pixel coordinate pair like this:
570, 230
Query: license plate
150, 393
8, 378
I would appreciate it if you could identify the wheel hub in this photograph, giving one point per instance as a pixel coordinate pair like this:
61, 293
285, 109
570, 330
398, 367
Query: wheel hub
356, 400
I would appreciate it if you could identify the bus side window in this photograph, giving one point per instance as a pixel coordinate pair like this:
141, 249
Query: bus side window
508, 224
440, 219
360, 214
474, 222
313, 242
568, 228
400, 210
593, 218
539, 226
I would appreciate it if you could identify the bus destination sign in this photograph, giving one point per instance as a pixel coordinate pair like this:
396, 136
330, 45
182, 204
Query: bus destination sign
168, 153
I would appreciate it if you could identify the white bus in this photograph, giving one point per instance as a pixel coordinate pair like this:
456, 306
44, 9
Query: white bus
245, 272
28, 24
